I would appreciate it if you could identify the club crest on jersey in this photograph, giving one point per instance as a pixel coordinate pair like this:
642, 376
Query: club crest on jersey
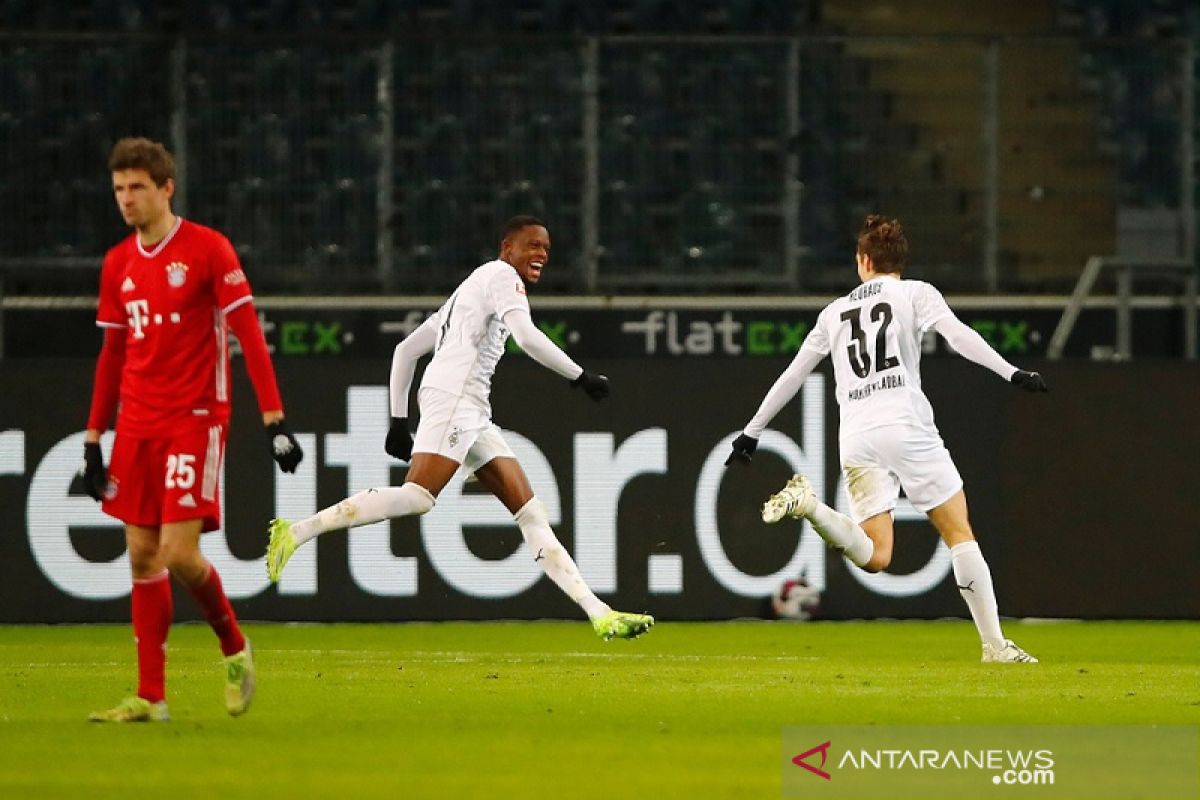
177, 273
520, 287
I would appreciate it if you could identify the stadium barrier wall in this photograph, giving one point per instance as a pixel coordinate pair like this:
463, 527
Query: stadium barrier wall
1081, 499
628, 327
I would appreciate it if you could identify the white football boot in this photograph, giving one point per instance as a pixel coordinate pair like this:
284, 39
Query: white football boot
1009, 654
796, 499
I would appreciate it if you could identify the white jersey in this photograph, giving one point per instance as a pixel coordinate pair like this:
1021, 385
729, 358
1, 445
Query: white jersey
873, 335
471, 336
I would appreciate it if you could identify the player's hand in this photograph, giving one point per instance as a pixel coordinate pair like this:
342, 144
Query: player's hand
399, 442
596, 386
95, 477
1029, 381
743, 449
284, 447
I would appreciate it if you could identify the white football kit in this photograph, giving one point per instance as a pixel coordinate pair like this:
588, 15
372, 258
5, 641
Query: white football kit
887, 436
468, 335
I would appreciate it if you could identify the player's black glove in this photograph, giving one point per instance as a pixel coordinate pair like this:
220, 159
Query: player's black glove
595, 385
743, 449
1029, 381
399, 442
284, 447
95, 477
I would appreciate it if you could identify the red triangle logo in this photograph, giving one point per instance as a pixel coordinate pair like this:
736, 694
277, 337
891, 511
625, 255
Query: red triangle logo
823, 749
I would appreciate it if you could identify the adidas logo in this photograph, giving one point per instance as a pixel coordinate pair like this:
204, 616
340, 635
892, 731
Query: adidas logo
127, 286
187, 501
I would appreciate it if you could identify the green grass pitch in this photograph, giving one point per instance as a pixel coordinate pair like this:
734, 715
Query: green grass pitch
528, 710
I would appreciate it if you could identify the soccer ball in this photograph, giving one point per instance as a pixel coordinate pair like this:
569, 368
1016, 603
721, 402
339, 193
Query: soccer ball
795, 599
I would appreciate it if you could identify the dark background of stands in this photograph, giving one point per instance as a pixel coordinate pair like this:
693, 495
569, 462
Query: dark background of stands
279, 101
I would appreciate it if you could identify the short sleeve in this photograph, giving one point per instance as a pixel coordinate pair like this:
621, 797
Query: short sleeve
230, 285
929, 307
507, 292
109, 313
818, 338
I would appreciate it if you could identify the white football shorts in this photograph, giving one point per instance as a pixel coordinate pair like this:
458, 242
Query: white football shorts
456, 428
878, 462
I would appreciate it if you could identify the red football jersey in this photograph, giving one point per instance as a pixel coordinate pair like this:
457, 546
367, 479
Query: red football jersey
172, 300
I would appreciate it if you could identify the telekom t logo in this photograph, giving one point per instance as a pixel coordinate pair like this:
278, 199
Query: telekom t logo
139, 315
823, 749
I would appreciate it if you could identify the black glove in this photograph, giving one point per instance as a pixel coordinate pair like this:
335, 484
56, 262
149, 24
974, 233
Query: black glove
284, 447
399, 441
95, 476
595, 385
1029, 381
743, 449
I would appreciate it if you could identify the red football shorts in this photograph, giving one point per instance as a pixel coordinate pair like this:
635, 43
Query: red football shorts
152, 481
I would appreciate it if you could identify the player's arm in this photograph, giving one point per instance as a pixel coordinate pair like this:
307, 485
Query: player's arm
967, 342
408, 352
233, 296
106, 390
545, 352
781, 393
243, 321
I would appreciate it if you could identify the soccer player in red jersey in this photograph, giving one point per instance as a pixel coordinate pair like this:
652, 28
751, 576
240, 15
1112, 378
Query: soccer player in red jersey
169, 293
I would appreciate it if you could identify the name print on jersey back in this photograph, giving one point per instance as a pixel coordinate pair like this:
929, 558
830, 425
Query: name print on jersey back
873, 335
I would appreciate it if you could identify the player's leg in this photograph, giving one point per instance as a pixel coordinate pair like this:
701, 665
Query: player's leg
133, 495
503, 476
181, 552
873, 491
445, 434
427, 476
880, 530
971, 572
191, 507
935, 487
974, 579
152, 611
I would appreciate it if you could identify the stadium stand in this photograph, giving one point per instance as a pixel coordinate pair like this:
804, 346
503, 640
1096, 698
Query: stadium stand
282, 123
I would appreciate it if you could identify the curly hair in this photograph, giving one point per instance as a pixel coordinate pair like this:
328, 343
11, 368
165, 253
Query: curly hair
882, 238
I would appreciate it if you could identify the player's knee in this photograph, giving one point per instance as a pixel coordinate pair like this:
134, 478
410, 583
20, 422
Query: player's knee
879, 560
532, 513
144, 559
184, 562
419, 498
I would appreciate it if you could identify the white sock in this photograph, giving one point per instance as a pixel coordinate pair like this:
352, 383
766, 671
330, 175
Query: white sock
370, 505
974, 581
554, 559
842, 534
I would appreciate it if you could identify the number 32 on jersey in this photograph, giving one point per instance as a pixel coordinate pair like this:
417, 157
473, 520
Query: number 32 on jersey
857, 349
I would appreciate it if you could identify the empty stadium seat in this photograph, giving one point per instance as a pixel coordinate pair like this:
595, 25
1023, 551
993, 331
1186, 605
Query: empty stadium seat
343, 233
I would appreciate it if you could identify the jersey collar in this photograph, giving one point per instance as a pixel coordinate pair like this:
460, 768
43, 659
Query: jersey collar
158, 248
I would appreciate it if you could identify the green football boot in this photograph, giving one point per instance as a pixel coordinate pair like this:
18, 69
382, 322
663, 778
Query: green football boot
133, 709
621, 625
239, 681
280, 548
